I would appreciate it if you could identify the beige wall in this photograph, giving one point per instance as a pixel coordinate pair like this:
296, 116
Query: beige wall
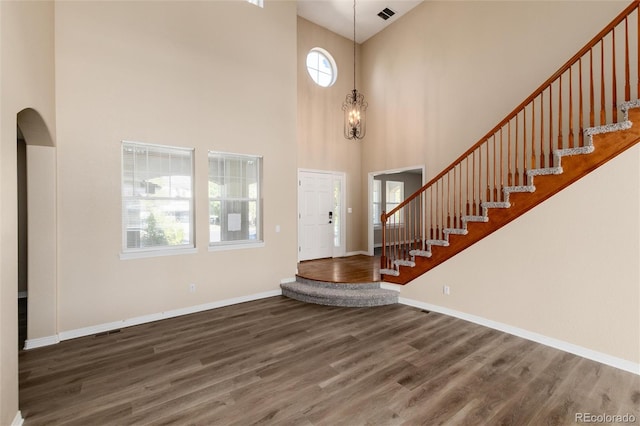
208, 75
26, 81
462, 67
42, 243
153, 72
321, 144
443, 75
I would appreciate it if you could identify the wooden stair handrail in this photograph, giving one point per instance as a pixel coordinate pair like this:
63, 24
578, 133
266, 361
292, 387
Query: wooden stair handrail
617, 20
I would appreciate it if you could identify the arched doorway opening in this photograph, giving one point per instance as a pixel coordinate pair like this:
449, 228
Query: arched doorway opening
37, 239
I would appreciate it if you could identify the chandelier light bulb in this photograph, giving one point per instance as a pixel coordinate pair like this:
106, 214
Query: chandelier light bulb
354, 117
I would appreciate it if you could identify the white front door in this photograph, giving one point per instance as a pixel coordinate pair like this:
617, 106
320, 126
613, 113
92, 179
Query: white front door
315, 215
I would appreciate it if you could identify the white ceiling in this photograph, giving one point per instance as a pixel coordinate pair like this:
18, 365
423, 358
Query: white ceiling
337, 15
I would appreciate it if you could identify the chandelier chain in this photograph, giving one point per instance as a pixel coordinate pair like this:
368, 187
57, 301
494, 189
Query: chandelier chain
354, 44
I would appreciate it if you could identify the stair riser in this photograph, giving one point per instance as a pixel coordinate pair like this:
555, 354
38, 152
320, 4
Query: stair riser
347, 303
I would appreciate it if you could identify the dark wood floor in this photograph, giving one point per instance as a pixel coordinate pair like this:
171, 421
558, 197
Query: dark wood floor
351, 269
278, 361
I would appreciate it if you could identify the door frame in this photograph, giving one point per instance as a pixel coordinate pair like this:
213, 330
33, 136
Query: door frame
341, 250
371, 175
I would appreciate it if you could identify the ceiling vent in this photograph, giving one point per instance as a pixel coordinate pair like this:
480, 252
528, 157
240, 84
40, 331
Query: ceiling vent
386, 13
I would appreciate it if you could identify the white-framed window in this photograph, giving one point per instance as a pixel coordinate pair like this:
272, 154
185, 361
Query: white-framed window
394, 196
322, 67
377, 202
157, 198
235, 210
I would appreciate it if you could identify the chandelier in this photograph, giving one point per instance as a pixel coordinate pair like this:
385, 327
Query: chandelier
354, 105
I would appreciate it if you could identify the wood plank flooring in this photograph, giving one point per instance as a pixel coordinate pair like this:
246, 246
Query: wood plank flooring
278, 361
351, 269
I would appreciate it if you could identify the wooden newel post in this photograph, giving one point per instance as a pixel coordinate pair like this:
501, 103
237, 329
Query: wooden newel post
383, 257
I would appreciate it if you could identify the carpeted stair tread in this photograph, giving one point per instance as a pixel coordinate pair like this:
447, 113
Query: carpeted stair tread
354, 286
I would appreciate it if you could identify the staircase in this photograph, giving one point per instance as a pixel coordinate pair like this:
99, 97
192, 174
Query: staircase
579, 119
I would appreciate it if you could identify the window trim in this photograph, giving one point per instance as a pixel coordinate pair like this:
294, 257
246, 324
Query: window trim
332, 63
146, 252
240, 244
400, 217
232, 245
376, 220
384, 196
157, 253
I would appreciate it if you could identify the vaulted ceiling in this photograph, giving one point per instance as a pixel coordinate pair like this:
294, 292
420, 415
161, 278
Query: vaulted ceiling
337, 15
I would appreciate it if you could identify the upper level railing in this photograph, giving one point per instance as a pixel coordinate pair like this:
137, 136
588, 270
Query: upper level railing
584, 92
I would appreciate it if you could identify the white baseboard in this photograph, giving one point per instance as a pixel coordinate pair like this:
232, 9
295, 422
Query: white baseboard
101, 328
354, 253
288, 280
389, 286
17, 420
41, 341
600, 357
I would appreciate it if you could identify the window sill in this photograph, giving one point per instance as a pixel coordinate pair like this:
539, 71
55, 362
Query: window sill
157, 253
237, 246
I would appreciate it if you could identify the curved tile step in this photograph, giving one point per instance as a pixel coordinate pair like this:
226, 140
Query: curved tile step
346, 295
